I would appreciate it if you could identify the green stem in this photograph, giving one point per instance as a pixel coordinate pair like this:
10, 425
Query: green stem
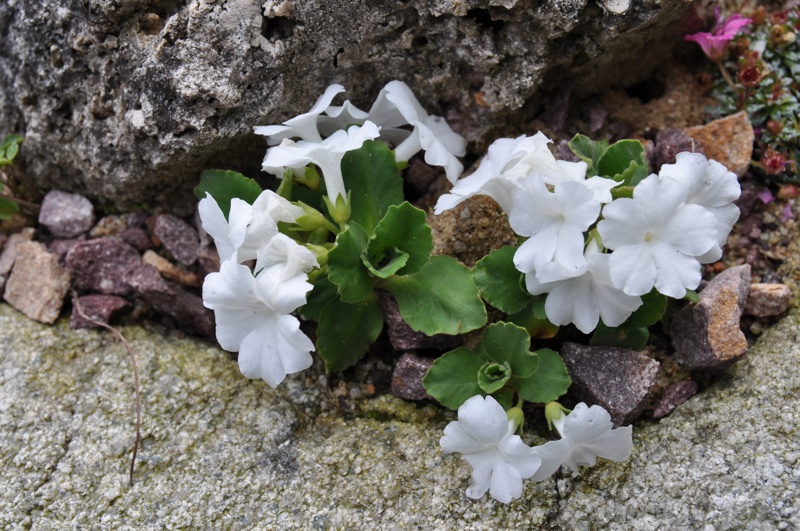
727, 76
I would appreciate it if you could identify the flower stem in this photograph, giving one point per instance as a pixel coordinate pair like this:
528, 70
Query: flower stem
726, 76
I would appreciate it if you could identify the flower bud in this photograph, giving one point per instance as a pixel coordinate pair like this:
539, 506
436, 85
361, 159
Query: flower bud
312, 219
308, 178
516, 416
554, 411
340, 212
774, 126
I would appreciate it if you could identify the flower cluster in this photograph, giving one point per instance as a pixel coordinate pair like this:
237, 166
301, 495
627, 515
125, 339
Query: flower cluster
396, 117
596, 255
500, 460
253, 312
268, 245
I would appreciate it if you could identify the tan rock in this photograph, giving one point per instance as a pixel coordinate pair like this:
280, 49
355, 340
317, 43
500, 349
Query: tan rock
9, 254
768, 300
728, 140
38, 283
706, 335
171, 271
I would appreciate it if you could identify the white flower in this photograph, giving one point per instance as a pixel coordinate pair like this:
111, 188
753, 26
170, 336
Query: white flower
229, 235
656, 238
304, 125
341, 117
499, 459
326, 154
554, 221
507, 161
710, 185
252, 317
583, 296
397, 106
286, 256
586, 434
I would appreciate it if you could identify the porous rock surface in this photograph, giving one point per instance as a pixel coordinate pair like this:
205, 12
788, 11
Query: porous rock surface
220, 451
128, 101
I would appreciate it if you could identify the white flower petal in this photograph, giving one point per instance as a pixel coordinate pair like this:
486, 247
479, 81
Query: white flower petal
304, 125
633, 269
499, 459
275, 349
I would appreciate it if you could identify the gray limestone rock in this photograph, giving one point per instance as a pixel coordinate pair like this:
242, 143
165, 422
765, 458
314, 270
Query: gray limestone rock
221, 451
128, 101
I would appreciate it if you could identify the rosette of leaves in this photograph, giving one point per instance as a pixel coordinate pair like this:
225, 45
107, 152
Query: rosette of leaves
385, 245
502, 365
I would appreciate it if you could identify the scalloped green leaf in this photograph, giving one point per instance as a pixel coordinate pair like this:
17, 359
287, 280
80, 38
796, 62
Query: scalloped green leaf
371, 176
624, 336
624, 161
440, 299
654, 304
224, 185
324, 291
534, 319
453, 378
404, 229
508, 343
500, 283
588, 151
346, 331
550, 381
346, 269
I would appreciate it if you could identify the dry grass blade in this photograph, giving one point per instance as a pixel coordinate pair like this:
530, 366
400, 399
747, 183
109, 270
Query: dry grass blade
122, 340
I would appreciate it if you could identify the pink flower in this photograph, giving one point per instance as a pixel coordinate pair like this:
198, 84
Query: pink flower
715, 43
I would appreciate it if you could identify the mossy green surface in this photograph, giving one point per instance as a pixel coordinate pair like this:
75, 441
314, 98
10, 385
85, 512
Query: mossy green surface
222, 452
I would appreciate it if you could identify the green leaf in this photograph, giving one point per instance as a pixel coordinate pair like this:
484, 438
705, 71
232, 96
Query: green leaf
324, 291
549, 382
534, 319
493, 376
654, 304
374, 182
346, 331
8, 207
692, 296
9, 148
392, 261
403, 229
623, 336
453, 378
500, 283
588, 151
224, 185
346, 269
440, 299
506, 343
624, 161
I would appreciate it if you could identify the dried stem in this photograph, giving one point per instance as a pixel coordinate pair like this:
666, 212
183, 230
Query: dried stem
122, 340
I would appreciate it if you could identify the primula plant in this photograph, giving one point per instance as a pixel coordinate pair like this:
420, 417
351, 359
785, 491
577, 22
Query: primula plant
603, 244
759, 62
